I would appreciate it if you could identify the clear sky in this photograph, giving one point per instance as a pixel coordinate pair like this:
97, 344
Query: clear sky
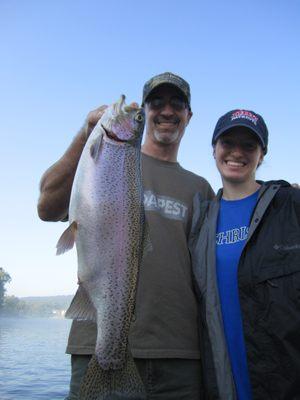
62, 58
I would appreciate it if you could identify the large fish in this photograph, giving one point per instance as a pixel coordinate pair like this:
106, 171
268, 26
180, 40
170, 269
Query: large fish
106, 218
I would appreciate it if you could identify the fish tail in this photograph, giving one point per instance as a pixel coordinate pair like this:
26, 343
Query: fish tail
100, 384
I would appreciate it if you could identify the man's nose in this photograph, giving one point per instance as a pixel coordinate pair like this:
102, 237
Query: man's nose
167, 109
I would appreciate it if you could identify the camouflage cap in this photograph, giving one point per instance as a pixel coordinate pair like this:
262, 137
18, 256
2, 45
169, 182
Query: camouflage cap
169, 79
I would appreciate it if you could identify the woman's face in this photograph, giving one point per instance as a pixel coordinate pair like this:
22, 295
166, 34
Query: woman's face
238, 154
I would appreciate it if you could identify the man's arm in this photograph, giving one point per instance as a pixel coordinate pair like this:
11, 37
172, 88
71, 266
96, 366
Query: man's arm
56, 182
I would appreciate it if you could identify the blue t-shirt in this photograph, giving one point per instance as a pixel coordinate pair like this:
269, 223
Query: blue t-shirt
232, 231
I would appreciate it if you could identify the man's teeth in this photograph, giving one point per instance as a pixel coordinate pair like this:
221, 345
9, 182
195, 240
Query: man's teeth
235, 163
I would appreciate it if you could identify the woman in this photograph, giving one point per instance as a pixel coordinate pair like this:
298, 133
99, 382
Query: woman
246, 261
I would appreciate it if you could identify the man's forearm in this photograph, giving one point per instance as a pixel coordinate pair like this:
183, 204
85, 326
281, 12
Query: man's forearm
56, 183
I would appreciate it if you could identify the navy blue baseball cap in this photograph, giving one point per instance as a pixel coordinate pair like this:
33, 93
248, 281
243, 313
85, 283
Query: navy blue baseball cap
249, 119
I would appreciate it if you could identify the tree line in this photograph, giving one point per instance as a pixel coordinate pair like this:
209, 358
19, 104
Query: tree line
31, 306
4, 278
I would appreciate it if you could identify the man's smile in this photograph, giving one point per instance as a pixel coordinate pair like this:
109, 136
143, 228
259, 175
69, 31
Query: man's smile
166, 123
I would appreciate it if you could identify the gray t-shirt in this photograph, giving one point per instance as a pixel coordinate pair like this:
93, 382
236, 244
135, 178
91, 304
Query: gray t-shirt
165, 322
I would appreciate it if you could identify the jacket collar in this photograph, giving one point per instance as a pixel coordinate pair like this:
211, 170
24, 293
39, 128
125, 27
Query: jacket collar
264, 186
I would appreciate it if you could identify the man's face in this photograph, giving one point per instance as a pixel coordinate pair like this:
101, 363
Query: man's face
167, 115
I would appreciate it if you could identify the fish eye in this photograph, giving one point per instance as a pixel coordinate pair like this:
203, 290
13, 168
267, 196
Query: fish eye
139, 118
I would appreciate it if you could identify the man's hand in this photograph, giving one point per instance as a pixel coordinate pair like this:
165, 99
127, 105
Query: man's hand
92, 119
94, 116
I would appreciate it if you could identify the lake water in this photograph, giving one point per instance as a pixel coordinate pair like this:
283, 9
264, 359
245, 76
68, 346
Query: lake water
33, 363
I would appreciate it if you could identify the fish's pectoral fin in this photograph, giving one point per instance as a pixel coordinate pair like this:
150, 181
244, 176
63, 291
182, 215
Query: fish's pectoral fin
96, 145
67, 239
81, 306
103, 383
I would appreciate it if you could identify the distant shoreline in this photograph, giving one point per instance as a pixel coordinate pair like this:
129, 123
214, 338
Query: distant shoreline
32, 316
36, 306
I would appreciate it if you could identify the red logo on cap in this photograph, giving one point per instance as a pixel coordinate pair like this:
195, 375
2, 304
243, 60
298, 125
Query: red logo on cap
245, 115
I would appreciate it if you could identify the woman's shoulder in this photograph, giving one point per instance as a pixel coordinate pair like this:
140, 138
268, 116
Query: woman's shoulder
286, 191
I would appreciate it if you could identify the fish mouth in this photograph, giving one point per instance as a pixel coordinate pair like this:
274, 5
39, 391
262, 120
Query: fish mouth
113, 136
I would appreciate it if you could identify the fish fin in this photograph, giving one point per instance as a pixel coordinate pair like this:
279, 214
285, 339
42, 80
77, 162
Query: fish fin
81, 306
95, 147
67, 239
100, 384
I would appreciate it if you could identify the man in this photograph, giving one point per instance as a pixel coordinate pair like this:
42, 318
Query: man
164, 333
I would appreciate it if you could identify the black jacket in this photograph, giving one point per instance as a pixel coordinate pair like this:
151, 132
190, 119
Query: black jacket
269, 292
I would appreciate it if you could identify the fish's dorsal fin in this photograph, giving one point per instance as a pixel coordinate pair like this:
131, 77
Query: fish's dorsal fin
95, 147
81, 306
67, 239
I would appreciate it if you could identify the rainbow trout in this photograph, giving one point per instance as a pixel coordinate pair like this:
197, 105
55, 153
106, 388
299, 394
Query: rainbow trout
106, 218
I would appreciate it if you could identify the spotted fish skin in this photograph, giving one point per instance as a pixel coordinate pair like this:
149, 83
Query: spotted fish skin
106, 218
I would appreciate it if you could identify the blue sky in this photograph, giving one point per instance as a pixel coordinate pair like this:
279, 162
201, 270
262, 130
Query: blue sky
61, 59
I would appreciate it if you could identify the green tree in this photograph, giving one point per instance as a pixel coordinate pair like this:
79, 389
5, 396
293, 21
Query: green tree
13, 306
4, 278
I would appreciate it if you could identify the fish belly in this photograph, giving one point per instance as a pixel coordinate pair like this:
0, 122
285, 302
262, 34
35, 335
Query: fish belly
109, 212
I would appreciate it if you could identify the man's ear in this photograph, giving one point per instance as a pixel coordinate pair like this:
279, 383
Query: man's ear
190, 114
214, 151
